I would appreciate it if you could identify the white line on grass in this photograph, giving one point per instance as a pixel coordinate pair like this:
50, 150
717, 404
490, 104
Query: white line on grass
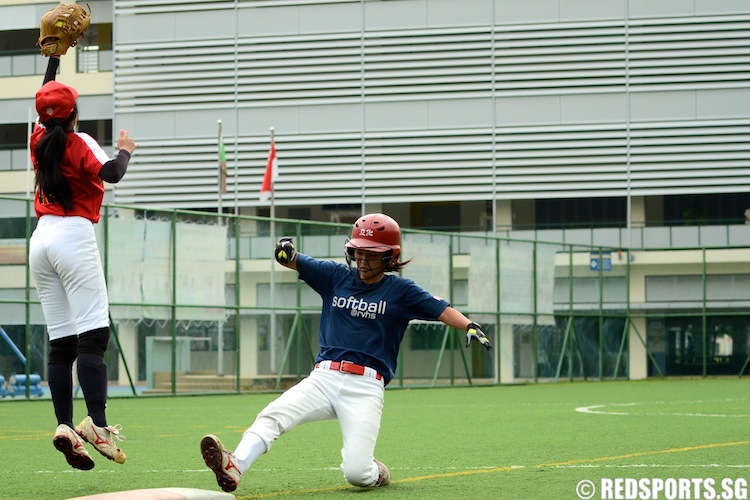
258, 469
596, 409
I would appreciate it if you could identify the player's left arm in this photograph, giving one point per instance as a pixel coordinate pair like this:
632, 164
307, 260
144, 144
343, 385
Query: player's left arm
285, 253
455, 318
114, 170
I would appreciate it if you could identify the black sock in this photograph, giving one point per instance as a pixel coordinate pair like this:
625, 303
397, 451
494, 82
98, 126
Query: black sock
60, 379
92, 375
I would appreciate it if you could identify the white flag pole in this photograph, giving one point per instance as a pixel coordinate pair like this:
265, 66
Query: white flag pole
220, 210
221, 173
272, 336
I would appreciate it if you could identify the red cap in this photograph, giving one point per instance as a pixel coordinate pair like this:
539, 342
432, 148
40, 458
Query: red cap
55, 100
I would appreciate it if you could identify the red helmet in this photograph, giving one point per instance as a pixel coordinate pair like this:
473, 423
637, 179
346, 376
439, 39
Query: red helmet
376, 233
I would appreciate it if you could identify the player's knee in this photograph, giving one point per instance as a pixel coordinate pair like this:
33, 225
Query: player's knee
359, 474
267, 428
63, 351
94, 341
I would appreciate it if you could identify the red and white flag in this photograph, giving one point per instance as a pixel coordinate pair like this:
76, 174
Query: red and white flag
272, 173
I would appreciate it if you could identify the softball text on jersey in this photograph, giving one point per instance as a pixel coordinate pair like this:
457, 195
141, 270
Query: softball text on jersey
360, 308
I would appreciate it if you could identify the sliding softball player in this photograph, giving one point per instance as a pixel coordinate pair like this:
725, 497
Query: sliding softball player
366, 310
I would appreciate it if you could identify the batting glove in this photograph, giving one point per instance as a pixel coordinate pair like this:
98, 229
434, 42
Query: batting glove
474, 331
285, 251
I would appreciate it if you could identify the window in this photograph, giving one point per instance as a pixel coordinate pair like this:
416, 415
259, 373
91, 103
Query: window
15, 42
13, 135
581, 212
702, 209
436, 216
101, 130
95, 49
19, 54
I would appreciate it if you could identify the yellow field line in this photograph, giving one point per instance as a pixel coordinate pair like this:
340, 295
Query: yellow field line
502, 469
645, 454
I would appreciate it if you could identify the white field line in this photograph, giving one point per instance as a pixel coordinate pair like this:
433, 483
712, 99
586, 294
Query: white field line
258, 469
600, 410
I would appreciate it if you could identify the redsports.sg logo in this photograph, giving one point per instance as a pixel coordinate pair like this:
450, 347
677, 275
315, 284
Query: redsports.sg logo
670, 489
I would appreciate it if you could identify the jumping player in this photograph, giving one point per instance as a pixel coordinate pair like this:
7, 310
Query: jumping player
69, 167
366, 311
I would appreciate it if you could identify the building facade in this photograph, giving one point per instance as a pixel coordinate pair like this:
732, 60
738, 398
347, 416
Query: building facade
456, 115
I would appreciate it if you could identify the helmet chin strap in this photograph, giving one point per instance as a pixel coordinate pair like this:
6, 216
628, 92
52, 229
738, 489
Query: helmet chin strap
349, 255
370, 273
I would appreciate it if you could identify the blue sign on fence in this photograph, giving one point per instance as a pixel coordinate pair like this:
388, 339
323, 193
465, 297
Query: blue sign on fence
601, 261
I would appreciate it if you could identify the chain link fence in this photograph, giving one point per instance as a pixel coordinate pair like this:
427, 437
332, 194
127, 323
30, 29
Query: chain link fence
198, 305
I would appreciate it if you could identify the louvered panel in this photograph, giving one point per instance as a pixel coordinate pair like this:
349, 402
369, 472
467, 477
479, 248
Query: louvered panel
167, 172
160, 76
559, 58
422, 64
400, 167
467, 193
290, 68
671, 157
142, 7
560, 157
157, 7
685, 173
706, 186
266, 70
276, 59
439, 163
308, 68
161, 175
689, 53
455, 165
460, 166
170, 56
427, 62
729, 134
481, 181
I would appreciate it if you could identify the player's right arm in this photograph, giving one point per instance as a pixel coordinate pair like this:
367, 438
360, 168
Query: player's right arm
52, 65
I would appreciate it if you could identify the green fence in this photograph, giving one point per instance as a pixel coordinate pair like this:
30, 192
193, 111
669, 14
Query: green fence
198, 305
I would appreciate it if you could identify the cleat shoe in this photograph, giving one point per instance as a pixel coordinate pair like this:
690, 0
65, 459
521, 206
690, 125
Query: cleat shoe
384, 474
221, 462
70, 445
102, 438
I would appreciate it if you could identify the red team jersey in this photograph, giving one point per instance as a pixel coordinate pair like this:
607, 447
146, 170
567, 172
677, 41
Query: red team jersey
80, 165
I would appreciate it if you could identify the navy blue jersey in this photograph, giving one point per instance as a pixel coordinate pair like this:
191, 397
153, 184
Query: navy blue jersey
365, 323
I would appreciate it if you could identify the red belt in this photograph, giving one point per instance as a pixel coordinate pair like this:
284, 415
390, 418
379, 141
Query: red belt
349, 367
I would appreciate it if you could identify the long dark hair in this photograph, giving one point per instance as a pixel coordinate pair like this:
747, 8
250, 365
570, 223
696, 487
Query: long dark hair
52, 184
394, 266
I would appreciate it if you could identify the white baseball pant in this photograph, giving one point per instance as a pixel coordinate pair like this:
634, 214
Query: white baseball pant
357, 402
68, 273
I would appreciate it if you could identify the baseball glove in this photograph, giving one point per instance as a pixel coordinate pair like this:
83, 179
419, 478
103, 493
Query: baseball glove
61, 28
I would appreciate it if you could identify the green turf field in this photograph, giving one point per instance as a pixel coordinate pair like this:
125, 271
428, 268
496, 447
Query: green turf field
514, 442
